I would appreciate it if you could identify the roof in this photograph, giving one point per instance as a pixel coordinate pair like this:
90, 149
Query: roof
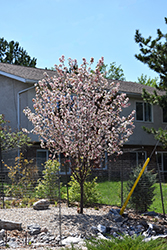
30, 74
134, 88
22, 72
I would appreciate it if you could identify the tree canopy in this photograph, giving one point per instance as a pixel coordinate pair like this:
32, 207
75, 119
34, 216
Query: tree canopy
148, 81
11, 139
79, 115
12, 53
153, 52
114, 72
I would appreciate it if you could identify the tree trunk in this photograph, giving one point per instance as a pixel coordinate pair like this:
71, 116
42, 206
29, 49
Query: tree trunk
81, 201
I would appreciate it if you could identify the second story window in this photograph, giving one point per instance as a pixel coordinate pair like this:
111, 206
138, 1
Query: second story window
164, 115
143, 112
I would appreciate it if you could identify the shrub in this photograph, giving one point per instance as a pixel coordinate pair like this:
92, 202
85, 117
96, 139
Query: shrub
48, 186
90, 193
23, 176
143, 195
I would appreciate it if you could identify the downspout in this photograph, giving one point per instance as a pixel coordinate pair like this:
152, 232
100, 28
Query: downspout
18, 110
18, 105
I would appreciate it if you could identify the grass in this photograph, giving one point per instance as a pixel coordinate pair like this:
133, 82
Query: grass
111, 194
128, 243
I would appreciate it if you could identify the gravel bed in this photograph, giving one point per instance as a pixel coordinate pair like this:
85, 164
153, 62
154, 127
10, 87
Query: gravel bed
72, 223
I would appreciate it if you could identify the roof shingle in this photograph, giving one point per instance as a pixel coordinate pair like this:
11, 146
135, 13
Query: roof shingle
29, 73
37, 74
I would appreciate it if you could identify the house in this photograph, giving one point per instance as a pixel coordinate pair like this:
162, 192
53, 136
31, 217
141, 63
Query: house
17, 91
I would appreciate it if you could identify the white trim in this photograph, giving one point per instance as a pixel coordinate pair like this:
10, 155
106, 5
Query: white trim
162, 161
18, 78
144, 113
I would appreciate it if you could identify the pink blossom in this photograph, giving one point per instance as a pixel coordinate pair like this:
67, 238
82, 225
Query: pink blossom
73, 113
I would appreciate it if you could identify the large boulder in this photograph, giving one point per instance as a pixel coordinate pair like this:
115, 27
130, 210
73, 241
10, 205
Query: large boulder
10, 225
41, 204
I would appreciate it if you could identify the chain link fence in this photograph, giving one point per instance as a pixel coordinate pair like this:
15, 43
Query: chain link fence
22, 179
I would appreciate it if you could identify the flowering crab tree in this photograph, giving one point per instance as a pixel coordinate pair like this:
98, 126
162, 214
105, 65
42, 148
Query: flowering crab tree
78, 113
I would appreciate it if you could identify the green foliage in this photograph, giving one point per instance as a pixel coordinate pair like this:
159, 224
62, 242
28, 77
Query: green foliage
143, 195
48, 186
114, 72
147, 81
90, 194
11, 52
10, 139
135, 243
127, 243
23, 176
159, 134
153, 53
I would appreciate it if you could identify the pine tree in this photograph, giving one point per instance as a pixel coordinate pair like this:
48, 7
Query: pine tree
153, 52
12, 53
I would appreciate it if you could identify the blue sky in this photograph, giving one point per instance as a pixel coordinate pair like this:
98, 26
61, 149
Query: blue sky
88, 28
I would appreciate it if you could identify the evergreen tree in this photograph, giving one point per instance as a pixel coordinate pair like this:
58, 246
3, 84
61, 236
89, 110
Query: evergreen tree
12, 53
153, 52
143, 195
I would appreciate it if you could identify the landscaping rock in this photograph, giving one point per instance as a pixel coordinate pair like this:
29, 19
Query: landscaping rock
101, 228
151, 213
34, 229
115, 215
71, 240
2, 234
41, 204
10, 225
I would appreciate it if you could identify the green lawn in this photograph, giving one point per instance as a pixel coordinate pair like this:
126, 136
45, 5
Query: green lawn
111, 195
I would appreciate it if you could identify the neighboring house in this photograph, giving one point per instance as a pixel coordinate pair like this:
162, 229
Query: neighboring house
17, 91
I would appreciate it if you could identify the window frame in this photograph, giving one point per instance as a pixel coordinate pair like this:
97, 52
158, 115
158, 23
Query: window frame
144, 111
161, 168
105, 159
47, 156
163, 116
137, 157
63, 172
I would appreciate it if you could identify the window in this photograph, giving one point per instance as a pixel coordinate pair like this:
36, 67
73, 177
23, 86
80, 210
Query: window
137, 158
100, 164
41, 158
162, 161
64, 165
143, 111
103, 162
164, 115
